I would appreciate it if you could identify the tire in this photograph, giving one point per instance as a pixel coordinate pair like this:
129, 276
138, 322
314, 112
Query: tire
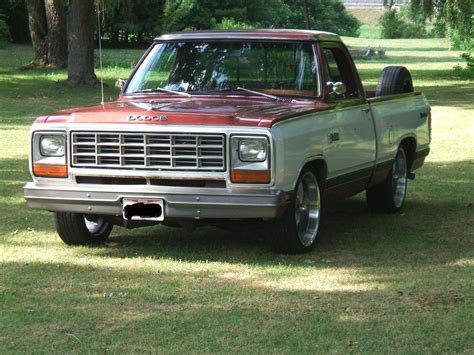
394, 80
80, 229
297, 230
389, 196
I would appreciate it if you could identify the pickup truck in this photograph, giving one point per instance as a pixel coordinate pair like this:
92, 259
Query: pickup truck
213, 126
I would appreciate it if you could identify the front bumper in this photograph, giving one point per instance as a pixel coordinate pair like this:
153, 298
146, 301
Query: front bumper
179, 202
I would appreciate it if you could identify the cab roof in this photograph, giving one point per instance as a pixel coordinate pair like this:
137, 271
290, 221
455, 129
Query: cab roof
254, 34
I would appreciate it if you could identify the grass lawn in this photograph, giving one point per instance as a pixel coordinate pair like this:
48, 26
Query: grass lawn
374, 284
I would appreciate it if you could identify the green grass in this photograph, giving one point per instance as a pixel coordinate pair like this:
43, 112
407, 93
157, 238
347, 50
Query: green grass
370, 31
384, 283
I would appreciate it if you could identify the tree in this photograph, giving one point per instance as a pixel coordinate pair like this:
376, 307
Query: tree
4, 32
47, 23
181, 14
80, 43
326, 15
394, 25
57, 39
38, 31
457, 15
14, 13
133, 23
205, 14
306, 15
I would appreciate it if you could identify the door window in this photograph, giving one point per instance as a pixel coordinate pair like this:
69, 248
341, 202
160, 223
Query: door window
339, 74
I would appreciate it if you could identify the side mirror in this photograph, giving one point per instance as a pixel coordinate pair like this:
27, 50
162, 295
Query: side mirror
120, 83
339, 88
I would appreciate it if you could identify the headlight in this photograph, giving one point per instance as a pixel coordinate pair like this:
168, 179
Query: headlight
52, 146
253, 150
250, 159
49, 154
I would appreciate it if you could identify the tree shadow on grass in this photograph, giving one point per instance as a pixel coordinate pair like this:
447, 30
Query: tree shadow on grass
436, 206
456, 95
349, 234
384, 281
144, 308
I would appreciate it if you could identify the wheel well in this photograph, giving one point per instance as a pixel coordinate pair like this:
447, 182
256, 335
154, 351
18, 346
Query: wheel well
410, 149
321, 170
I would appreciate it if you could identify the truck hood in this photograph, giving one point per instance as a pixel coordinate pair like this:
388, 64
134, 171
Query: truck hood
188, 111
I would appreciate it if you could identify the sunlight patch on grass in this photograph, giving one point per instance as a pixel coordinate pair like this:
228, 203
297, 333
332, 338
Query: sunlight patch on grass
12, 140
452, 135
462, 262
325, 280
429, 44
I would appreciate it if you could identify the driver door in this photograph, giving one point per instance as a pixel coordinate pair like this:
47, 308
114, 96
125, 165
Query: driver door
350, 148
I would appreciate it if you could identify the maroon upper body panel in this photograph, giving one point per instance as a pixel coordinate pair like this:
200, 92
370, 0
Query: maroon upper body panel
204, 110
218, 110
263, 34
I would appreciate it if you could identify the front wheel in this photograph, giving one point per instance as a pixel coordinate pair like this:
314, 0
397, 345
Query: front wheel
80, 229
389, 196
296, 231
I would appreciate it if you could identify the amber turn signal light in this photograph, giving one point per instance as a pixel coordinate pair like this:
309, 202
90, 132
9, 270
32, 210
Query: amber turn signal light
250, 176
45, 170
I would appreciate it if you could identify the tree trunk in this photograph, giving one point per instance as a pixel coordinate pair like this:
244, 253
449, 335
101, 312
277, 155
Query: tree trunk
38, 31
307, 25
80, 34
114, 38
57, 38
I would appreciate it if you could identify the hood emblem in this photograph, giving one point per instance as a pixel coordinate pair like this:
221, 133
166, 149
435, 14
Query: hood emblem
147, 118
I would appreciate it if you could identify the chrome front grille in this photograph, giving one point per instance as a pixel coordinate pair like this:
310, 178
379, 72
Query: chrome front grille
170, 151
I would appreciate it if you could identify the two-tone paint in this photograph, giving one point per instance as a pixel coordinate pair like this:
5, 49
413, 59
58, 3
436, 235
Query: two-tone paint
352, 143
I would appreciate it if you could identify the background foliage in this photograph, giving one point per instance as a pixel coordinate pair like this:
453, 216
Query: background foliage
15, 17
129, 23
4, 32
453, 17
395, 26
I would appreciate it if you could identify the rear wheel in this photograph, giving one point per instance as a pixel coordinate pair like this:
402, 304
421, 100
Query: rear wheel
296, 231
79, 229
389, 196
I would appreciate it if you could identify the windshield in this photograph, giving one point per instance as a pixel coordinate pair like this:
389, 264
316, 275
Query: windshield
275, 68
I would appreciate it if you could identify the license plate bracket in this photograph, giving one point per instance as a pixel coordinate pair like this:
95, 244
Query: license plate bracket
143, 209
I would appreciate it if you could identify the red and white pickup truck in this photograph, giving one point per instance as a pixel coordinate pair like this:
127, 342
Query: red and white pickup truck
260, 124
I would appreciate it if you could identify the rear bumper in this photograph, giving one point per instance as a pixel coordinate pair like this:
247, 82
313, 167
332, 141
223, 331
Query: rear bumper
419, 158
179, 202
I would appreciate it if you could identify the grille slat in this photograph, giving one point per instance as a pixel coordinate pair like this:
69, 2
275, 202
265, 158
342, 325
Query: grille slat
173, 151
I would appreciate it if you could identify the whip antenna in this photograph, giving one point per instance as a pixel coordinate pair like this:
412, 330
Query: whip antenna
100, 51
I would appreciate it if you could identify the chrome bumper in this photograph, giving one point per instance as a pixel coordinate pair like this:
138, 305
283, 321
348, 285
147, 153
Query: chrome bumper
179, 202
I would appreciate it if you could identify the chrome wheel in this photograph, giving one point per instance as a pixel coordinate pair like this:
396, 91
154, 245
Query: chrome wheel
95, 226
307, 209
399, 178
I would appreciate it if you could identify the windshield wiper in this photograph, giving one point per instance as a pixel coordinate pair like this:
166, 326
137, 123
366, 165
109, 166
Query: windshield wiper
259, 93
165, 90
